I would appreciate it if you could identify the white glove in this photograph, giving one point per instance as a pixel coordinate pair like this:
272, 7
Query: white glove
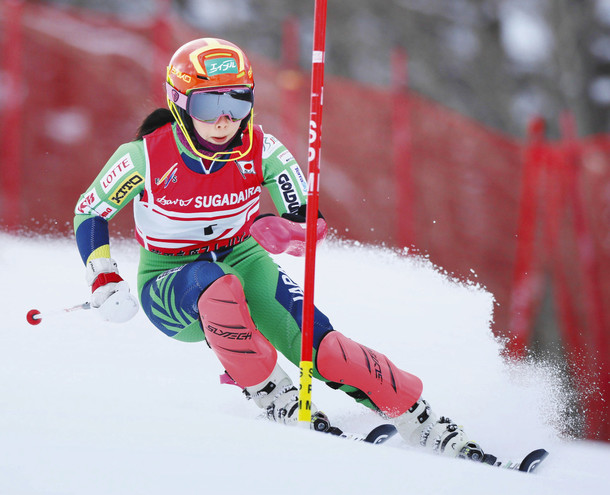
109, 292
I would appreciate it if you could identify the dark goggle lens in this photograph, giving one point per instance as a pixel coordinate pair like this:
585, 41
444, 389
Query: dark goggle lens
209, 106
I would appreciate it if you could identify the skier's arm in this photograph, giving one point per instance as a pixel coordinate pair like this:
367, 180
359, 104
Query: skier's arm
287, 187
282, 176
121, 179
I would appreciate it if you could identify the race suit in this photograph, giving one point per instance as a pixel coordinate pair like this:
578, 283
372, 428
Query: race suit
192, 222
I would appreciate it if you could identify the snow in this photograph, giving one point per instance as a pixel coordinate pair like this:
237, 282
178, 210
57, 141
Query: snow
599, 90
602, 10
67, 125
93, 408
217, 15
526, 37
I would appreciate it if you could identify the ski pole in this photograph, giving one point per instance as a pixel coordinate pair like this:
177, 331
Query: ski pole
315, 145
34, 317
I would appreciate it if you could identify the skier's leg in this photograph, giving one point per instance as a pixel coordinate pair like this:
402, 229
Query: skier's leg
169, 297
278, 396
248, 357
396, 393
392, 390
276, 305
173, 299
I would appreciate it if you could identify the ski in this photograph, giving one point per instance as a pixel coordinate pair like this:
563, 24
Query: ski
382, 433
379, 434
527, 465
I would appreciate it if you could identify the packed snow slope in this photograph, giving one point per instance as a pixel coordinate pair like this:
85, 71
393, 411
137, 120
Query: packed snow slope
91, 408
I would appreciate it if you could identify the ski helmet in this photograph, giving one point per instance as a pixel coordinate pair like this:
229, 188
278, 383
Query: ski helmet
204, 66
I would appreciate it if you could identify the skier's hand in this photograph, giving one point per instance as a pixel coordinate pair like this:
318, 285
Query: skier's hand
282, 235
109, 292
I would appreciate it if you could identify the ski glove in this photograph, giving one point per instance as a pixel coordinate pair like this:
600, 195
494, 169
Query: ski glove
109, 292
286, 234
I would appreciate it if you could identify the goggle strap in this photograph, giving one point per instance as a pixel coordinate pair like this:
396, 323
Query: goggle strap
175, 96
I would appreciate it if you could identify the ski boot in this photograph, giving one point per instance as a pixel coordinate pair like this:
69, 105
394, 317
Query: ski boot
420, 426
278, 396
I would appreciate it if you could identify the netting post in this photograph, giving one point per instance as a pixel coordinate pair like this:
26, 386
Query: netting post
597, 351
402, 152
526, 277
12, 120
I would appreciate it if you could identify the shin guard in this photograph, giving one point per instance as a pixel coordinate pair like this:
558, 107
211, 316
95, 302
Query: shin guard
346, 362
248, 357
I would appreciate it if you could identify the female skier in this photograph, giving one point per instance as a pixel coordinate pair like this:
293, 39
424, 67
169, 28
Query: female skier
194, 174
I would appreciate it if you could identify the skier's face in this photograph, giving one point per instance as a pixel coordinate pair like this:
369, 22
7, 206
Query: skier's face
220, 132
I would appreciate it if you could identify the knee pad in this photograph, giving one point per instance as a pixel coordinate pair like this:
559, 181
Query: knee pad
344, 361
248, 357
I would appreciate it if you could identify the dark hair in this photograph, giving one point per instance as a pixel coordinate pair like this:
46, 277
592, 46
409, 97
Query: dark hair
156, 119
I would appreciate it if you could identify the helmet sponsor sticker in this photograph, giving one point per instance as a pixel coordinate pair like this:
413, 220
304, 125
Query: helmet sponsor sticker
125, 187
301, 180
185, 77
89, 200
289, 193
270, 145
217, 66
118, 170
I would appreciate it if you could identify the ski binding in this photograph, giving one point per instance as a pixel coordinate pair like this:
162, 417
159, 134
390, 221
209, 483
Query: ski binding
529, 463
378, 435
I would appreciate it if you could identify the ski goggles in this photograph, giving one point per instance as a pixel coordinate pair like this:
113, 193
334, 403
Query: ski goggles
208, 105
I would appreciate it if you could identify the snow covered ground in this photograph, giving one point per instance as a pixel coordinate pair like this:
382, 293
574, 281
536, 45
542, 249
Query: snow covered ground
93, 408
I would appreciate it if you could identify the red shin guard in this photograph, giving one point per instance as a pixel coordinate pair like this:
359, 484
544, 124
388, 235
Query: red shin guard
244, 352
344, 361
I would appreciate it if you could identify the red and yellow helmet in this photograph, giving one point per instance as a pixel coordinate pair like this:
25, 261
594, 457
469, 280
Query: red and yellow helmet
209, 63
205, 64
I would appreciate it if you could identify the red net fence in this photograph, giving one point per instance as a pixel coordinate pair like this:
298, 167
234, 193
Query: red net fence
397, 169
